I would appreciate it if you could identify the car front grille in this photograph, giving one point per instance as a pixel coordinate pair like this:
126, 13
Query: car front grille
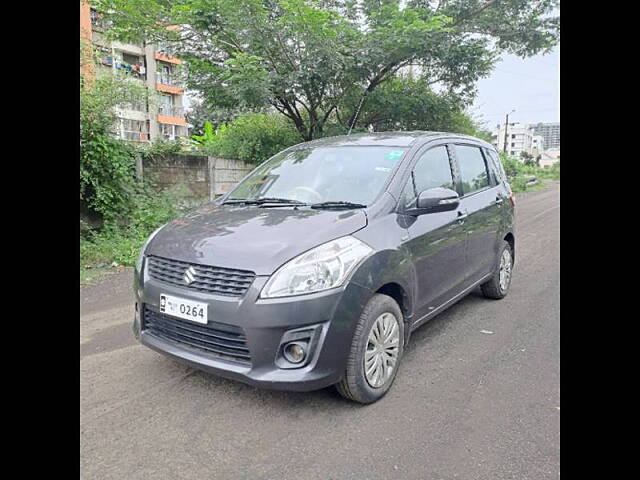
218, 339
222, 281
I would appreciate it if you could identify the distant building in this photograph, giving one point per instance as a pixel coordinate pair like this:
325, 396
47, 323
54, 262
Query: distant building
549, 157
537, 145
152, 65
520, 138
550, 132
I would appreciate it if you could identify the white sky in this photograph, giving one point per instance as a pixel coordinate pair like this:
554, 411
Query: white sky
529, 86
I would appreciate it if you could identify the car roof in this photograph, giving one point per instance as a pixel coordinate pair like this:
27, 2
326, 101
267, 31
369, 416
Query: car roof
386, 139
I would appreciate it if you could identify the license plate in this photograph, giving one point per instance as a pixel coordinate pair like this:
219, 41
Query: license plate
182, 308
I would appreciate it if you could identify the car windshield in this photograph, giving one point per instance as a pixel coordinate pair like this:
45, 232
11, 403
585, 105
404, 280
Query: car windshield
324, 174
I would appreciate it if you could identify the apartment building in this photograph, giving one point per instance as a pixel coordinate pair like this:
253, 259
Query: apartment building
520, 138
163, 116
550, 132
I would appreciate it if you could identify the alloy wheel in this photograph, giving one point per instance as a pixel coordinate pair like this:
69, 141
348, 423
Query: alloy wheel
381, 355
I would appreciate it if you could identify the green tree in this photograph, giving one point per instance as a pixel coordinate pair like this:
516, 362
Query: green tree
316, 61
408, 103
252, 137
528, 159
107, 165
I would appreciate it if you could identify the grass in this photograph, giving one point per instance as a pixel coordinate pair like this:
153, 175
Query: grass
117, 244
540, 185
90, 276
108, 252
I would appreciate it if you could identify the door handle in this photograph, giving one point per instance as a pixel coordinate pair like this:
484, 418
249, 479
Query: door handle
499, 200
462, 215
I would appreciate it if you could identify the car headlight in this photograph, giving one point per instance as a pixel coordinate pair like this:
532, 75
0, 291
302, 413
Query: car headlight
144, 247
321, 268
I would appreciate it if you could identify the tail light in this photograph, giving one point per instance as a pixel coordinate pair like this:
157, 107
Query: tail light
512, 199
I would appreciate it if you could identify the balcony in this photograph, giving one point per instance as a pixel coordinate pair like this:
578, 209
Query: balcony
171, 115
137, 71
135, 136
173, 132
167, 53
169, 84
134, 106
98, 21
171, 111
171, 79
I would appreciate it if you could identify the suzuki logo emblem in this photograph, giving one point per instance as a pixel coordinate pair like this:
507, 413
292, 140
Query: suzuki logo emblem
189, 275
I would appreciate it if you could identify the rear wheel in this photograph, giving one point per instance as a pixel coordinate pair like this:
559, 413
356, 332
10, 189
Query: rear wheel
376, 351
498, 286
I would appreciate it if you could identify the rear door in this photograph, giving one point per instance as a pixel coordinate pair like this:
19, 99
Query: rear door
436, 241
481, 202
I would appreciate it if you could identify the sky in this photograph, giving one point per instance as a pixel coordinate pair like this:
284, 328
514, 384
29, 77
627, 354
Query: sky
529, 86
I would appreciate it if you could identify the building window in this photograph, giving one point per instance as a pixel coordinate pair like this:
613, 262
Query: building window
168, 75
166, 105
172, 132
135, 130
98, 21
136, 105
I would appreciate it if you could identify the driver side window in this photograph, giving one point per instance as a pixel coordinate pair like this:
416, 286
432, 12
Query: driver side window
432, 170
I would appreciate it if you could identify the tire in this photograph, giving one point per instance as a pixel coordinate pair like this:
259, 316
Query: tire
381, 310
493, 288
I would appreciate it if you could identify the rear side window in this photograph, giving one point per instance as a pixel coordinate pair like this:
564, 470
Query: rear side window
495, 164
473, 169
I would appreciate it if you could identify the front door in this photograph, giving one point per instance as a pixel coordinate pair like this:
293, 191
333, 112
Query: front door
436, 241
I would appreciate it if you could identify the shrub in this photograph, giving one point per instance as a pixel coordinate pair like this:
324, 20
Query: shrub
121, 242
107, 172
253, 137
512, 166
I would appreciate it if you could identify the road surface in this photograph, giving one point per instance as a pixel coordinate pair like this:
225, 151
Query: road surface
477, 395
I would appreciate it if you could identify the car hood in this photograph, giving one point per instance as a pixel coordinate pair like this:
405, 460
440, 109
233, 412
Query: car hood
249, 237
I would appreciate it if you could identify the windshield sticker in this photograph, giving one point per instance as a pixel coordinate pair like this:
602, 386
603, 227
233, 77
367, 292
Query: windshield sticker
394, 154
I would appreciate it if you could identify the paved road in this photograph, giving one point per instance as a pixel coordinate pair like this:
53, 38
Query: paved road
465, 404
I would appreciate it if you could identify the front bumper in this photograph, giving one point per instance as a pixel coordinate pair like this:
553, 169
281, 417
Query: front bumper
333, 314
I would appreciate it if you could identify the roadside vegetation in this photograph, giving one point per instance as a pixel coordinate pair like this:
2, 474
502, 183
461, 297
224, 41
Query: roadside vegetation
117, 211
520, 174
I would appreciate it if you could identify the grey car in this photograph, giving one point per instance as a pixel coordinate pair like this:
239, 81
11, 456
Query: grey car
315, 269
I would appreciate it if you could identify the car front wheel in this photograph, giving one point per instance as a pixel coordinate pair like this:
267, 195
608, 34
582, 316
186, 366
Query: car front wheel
376, 351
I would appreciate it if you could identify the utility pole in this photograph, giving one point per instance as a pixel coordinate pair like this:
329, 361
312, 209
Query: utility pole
506, 127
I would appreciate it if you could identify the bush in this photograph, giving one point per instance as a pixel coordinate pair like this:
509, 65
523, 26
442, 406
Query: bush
552, 172
121, 243
253, 137
517, 172
107, 173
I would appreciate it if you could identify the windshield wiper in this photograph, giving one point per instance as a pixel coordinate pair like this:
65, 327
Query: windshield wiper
338, 204
263, 200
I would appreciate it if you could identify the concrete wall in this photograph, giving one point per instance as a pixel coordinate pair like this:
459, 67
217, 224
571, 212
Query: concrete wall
227, 173
203, 177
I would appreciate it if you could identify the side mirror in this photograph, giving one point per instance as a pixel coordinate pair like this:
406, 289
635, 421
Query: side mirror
433, 200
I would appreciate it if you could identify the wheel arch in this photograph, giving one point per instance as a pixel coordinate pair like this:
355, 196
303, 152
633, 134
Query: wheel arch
399, 294
511, 240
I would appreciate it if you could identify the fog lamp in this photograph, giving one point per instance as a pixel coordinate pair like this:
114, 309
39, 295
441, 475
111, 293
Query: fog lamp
294, 352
